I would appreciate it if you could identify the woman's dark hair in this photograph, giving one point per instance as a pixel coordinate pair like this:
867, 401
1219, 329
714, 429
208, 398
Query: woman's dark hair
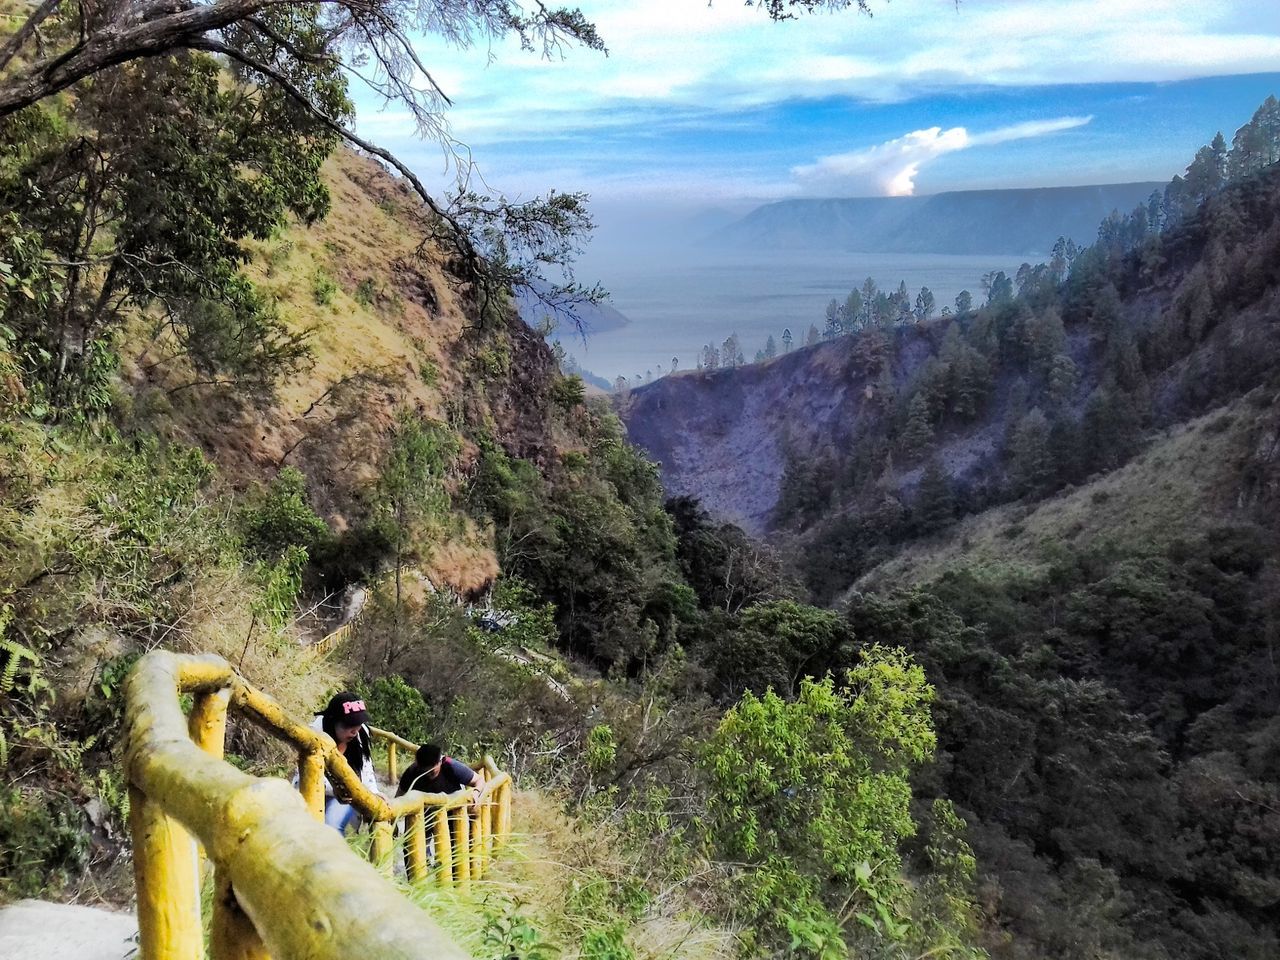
359, 749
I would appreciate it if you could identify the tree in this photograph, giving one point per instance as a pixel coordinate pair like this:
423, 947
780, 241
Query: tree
61, 45
902, 303
58, 45
411, 497
964, 302
1062, 379
675, 364
1064, 253
116, 184
869, 292
1257, 144
1047, 337
853, 315
925, 304
812, 338
770, 348
998, 287
774, 645
731, 352
935, 503
832, 328
820, 787
918, 432
1031, 466
786, 340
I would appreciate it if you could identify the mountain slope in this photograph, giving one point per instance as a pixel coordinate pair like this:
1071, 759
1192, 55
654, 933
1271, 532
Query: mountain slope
1017, 222
1129, 328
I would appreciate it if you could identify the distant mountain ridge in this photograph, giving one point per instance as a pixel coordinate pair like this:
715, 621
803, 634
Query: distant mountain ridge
1020, 222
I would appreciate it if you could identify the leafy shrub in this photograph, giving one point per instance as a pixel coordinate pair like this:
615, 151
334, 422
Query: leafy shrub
602, 749
323, 287
400, 708
42, 841
511, 936
366, 292
819, 787
568, 392
282, 518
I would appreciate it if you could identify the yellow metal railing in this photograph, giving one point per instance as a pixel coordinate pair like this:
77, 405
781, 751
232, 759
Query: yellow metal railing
285, 885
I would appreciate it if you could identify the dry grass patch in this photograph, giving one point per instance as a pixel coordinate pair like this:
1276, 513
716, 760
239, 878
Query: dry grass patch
1183, 483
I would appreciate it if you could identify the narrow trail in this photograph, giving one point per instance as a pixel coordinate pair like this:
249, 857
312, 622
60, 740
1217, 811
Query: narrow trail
38, 930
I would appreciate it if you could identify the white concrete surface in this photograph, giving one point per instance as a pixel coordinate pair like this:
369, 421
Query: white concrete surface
36, 930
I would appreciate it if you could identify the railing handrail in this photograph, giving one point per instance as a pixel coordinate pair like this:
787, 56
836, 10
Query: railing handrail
284, 882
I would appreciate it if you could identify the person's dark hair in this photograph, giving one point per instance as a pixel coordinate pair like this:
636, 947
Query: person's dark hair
348, 709
428, 755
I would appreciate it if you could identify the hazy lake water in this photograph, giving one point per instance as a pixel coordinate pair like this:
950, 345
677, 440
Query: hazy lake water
677, 303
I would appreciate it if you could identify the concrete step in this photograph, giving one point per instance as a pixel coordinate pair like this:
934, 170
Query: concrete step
37, 930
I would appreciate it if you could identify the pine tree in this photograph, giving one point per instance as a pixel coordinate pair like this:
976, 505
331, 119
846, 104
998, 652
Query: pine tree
1061, 382
935, 502
903, 303
730, 352
786, 340
813, 338
1031, 466
832, 328
964, 302
1047, 337
853, 311
925, 303
770, 348
918, 432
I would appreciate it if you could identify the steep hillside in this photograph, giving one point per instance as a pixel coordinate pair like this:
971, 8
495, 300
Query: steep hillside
1218, 468
826, 430
388, 330
726, 437
1018, 222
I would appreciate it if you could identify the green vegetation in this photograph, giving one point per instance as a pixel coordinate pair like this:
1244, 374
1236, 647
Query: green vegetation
1072, 362
193, 455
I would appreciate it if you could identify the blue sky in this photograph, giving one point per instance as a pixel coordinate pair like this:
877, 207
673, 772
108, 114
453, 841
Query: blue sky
701, 105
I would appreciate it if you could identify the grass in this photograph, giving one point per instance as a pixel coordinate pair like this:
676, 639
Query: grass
538, 878
1178, 486
385, 328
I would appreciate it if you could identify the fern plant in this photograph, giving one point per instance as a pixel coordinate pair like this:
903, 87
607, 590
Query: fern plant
12, 654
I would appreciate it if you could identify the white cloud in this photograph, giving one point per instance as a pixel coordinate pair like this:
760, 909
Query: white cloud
688, 55
891, 168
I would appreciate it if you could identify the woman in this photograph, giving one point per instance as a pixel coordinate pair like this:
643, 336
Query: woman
345, 719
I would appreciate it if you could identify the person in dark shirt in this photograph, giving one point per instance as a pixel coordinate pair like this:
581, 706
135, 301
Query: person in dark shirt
433, 772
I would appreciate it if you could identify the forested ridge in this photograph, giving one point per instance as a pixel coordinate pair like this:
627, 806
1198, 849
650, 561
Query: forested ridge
1062, 501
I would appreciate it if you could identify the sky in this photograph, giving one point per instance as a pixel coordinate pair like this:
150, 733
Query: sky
701, 111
